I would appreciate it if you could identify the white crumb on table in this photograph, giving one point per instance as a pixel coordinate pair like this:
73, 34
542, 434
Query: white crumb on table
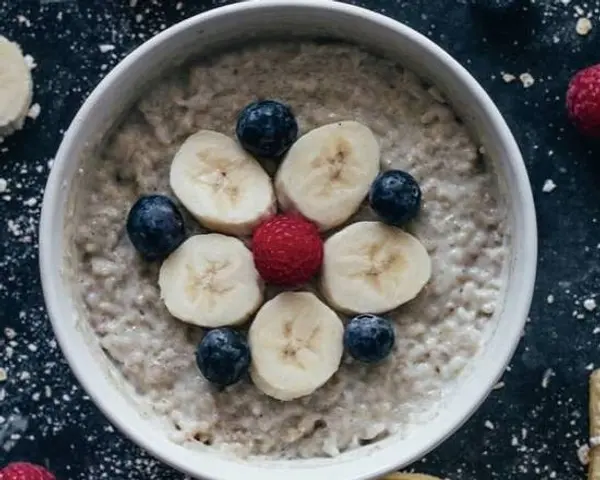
34, 111
30, 202
499, 385
527, 79
583, 26
3, 185
546, 377
106, 48
589, 304
508, 77
22, 19
489, 425
550, 299
30, 61
549, 186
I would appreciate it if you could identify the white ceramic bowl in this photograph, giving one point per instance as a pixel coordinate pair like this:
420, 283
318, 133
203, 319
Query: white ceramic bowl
270, 18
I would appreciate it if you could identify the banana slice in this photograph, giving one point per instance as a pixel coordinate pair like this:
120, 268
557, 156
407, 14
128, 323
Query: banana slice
210, 280
372, 267
16, 87
220, 184
328, 172
296, 342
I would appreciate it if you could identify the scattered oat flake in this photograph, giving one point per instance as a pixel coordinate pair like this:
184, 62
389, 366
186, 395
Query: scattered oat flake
583, 453
106, 48
489, 425
508, 77
499, 385
589, 304
34, 111
550, 298
30, 61
23, 20
30, 202
9, 333
549, 186
527, 79
584, 26
546, 378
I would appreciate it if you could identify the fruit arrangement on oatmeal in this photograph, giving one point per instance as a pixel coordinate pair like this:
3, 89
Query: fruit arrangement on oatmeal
290, 250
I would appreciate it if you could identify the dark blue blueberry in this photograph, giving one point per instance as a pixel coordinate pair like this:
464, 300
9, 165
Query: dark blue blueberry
267, 129
223, 356
395, 197
369, 338
155, 226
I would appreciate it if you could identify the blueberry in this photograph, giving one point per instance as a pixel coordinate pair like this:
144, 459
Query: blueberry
155, 226
369, 338
267, 129
395, 197
223, 356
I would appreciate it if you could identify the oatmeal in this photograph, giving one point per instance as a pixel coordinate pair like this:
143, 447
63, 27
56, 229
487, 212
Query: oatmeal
463, 225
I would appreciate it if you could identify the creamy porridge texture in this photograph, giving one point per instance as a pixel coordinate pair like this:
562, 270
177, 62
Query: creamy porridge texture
463, 225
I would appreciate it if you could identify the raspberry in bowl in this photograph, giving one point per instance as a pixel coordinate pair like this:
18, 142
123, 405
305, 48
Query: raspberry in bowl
289, 385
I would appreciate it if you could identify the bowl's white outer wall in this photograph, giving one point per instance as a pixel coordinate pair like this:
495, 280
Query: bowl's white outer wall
235, 22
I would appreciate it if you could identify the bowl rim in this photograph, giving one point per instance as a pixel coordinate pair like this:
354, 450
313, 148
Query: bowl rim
51, 264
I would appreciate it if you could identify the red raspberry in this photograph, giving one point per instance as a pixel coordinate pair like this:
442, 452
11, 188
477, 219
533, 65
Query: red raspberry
583, 100
25, 471
287, 250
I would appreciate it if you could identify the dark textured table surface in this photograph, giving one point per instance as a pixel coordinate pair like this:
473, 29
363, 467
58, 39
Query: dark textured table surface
531, 425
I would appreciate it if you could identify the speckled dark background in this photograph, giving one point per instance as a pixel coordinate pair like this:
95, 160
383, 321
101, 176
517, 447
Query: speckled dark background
529, 428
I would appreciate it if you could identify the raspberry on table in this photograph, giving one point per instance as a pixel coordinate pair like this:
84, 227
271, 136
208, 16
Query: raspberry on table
25, 471
287, 249
583, 101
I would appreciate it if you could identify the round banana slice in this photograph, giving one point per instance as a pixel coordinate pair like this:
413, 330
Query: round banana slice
409, 476
328, 172
220, 184
16, 87
370, 267
296, 343
210, 280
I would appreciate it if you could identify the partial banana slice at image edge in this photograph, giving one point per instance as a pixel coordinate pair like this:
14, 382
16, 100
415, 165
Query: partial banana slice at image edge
327, 173
16, 87
409, 476
594, 415
220, 184
211, 281
296, 343
373, 267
